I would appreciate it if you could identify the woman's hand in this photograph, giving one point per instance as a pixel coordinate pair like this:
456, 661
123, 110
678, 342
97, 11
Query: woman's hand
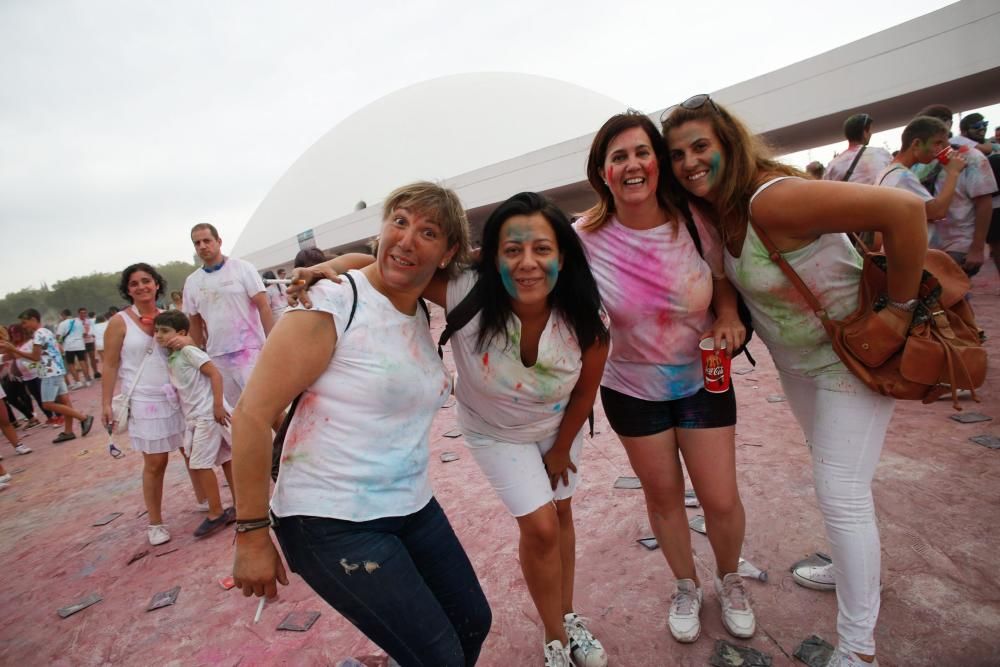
221, 416
557, 466
257, 566
179, 342
304, 278
727, 327
107, 416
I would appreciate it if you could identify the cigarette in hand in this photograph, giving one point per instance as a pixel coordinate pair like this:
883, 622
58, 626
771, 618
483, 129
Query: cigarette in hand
260, 608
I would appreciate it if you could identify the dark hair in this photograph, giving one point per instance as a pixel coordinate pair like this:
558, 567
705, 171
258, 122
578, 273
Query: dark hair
102, 318
923, 128
939, 111
30, 314
174, 319
17, 333
269, 275
309, 257
598, 214
84, 308
112, 310
65, 312
970, 120
161, 283
206, 225
855, 126
575, 296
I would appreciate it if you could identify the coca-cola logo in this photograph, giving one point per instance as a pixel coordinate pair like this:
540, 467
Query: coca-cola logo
714, 372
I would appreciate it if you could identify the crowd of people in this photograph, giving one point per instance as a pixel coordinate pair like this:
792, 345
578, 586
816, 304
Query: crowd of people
339, 361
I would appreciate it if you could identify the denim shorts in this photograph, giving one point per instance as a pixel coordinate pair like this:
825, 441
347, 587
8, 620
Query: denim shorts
53, 387
635, 417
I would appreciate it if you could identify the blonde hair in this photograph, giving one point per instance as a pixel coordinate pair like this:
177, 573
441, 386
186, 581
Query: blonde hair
747, 159
440, 205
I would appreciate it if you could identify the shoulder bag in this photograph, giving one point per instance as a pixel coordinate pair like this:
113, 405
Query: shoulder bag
121, 404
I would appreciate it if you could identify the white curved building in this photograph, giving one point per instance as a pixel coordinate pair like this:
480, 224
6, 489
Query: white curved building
435, 130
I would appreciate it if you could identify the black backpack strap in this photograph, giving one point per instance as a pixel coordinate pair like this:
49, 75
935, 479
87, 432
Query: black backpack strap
461, 315
850, 170
886, 174
278, 443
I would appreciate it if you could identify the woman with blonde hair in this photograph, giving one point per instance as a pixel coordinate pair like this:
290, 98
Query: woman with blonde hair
353, 508
745, 193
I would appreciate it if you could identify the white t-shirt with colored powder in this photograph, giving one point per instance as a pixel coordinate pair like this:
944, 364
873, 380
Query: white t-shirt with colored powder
869, 166
954, 233
70, 332
357, 447
51, 364
498, 397
223, 299
899, 176
657, 291
194, 389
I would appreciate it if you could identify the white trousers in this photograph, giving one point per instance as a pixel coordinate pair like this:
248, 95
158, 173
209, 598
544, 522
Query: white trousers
845, 431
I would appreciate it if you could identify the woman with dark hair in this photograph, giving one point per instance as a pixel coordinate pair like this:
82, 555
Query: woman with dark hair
729, 174
26, 369
155, 425
529, 363
663, 298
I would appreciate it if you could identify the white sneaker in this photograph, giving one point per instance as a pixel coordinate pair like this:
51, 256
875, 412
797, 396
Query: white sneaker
74, 386
557, 655
23, 449
87, 383
585, 650
685, 607
815, 572
843, 658
158, 534
202, 506
4, 479
737, 614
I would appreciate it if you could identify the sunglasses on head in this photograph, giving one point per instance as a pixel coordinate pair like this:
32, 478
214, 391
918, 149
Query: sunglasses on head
691, 103
981, 125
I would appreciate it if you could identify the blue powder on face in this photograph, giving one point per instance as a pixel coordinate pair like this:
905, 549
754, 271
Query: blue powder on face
508, 281
552, 274
713, 167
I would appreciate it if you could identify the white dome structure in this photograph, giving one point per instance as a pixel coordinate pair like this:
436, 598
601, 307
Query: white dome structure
434, 130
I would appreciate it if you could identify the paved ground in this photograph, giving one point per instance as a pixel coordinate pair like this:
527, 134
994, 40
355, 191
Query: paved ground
937, 497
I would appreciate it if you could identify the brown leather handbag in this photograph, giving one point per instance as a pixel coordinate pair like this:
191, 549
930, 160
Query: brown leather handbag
941, 353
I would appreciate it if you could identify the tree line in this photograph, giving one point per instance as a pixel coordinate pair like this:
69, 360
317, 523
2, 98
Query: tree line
95, 292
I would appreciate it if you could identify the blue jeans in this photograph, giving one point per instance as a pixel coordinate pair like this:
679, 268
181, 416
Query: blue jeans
405, 582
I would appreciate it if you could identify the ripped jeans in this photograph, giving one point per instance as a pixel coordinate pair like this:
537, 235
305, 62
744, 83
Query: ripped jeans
405, 582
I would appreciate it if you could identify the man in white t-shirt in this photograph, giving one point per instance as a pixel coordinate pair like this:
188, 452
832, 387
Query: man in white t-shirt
70, 333
962, 234
867, 161
229, 311
923, 139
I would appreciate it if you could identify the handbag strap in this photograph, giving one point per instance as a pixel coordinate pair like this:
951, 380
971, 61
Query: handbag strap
794, 278
850, 170
138, 374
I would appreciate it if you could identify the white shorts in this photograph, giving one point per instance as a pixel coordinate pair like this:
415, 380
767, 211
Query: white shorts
206, 442
235, 369
517, 473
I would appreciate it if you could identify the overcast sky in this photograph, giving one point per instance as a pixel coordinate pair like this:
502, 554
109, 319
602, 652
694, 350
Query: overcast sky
124, 122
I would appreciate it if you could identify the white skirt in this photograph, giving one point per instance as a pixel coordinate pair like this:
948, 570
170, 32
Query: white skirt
155, 427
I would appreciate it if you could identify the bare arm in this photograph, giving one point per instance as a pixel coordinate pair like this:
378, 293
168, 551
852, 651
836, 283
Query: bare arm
938, 207
264, 311
727, 317
114, 336
197, 330
209, 370
984, 213
285, 369
34, 355
581, 402
304, 277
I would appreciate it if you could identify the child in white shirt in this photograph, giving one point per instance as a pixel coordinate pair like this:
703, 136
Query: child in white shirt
207, 441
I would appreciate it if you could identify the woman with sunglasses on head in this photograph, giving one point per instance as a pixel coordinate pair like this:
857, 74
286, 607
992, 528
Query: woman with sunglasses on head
529, 363
663, 298
726, 172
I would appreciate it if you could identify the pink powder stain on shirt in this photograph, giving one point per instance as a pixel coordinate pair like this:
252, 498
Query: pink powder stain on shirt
486, 359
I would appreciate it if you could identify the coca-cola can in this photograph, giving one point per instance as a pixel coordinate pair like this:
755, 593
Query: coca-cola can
714, 366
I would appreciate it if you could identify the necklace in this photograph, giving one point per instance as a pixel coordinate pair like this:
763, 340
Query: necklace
148, 321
